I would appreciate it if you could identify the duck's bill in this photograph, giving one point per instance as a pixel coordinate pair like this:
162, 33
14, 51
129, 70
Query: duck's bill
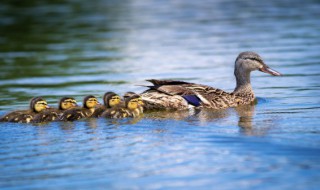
270, 71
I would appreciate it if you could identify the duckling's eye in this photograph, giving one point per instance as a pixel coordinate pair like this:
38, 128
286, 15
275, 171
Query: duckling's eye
93, 100
42, 103
135, 101
115, 98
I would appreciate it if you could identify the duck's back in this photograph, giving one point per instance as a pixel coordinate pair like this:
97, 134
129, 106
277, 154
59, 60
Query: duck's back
166, 94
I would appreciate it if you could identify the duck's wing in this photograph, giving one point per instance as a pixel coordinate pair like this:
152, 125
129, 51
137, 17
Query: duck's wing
170, 87
195, 94
166, 82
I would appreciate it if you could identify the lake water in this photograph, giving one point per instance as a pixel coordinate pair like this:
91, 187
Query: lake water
78, 48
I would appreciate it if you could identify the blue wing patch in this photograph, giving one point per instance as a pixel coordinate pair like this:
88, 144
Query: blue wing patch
192, 99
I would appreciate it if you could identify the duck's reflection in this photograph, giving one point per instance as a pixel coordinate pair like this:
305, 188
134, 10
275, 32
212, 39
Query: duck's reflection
244, 113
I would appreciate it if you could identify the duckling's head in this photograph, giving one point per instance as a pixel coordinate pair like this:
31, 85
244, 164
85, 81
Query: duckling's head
130, 94
133, 102
90, 102
250, 61
111, 99
38, 104
67, 103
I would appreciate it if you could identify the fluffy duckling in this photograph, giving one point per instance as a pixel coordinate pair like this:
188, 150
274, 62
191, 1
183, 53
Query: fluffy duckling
37, 105
89, 104
53, 114
131, 109
130, 94
110, 100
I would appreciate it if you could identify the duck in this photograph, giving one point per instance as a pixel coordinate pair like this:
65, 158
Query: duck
53, 114
110, 100
181, 95
131, 109
36, 106
76, 113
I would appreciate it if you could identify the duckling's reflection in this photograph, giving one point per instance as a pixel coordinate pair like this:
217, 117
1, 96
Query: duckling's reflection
91, 123
66, 126
123, 121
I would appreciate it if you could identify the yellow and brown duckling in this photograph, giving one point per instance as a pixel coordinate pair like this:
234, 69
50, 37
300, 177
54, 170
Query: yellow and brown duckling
54, 114
132, 108
130, 94
110, 100
37, 105
89, 104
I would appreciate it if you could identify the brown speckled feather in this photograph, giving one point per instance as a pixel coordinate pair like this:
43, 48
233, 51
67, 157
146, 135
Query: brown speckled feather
168, 96
51, 114
75, 114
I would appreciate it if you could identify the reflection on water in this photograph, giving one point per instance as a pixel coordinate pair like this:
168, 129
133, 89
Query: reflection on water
76, 48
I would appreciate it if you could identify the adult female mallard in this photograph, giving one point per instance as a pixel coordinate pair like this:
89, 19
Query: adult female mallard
89, 104
110, 100
37, 105
131, 108
53, 114
179, 95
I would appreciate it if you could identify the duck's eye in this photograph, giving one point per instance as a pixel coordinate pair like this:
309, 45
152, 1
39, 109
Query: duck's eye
254, 59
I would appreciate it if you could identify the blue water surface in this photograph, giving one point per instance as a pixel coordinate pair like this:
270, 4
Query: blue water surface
77, 48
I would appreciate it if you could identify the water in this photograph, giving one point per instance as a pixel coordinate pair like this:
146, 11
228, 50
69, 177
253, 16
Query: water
79, 48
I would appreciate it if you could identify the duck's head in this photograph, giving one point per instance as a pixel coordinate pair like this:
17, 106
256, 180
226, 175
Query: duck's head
111, 99
90, 102
38, 104
251, 61
133, 102
67, 103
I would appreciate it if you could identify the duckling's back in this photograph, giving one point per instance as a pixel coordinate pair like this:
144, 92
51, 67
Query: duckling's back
75, 114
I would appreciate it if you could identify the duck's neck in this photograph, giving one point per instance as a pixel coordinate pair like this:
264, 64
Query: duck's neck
243, 82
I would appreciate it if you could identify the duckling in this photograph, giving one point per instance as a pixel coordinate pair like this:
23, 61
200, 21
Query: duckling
53, 114
140, 101
89, 104
131, 109
37, 105
110, 99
